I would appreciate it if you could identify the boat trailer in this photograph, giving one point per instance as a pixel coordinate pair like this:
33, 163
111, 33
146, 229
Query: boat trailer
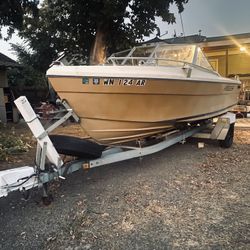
50, 166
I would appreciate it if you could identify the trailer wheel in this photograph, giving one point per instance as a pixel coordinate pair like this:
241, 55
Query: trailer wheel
74, 146
228, 141
240, 115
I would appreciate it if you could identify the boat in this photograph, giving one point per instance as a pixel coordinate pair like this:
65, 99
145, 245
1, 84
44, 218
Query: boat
144, 91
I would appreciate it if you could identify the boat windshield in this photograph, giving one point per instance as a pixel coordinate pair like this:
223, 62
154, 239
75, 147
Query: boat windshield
161, 55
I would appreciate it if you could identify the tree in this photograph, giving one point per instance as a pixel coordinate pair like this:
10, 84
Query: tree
12, 13
28, 79
93, 28
31, 67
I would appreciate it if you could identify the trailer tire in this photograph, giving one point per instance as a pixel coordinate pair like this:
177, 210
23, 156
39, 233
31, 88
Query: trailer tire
74, 146
240, 115
228, 141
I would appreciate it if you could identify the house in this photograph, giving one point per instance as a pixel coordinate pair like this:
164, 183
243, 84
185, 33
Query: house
5, 94
229, 55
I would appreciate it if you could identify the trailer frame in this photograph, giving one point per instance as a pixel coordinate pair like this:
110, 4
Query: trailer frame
48, 168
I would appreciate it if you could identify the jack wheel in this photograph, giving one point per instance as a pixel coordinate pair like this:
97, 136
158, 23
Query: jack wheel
47, 200
26, 194
228, 141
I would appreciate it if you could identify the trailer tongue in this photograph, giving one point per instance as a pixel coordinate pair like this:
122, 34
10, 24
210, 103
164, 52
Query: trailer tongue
27, 177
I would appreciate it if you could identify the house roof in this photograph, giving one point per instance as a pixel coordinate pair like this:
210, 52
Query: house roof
186, 39
5, 61
154, 40
201, 39
228, 37
179, 40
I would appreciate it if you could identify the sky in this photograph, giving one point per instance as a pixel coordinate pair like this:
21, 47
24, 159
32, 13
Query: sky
212, 17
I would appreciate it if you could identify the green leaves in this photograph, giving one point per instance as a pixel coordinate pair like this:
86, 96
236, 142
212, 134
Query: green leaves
71, 26
11, 144
12, 13
29, 79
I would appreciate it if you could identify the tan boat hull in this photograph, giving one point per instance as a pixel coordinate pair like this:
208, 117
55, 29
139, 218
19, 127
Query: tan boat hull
114, 113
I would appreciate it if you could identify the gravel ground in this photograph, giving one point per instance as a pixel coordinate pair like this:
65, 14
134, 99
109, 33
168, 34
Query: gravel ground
180, 198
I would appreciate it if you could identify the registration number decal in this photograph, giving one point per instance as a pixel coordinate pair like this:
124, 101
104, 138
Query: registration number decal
115, 81
124, 82
131, 82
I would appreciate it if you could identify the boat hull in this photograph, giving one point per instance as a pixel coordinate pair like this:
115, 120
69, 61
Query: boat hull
119, 109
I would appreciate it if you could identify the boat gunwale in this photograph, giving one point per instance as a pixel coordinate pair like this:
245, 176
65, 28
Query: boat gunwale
220, 80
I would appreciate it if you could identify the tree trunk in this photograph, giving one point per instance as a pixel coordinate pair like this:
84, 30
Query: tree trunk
98, 52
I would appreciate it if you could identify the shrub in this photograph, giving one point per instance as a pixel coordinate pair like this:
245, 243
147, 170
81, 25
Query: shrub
11, 144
